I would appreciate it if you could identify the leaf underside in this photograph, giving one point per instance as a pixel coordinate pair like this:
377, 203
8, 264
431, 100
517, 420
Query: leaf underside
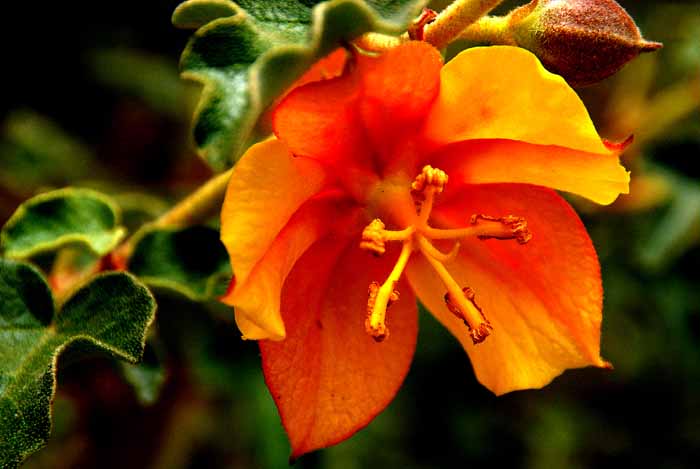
248, 53
111, 314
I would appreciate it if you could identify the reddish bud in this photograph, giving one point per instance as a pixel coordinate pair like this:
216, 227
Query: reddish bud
584, 41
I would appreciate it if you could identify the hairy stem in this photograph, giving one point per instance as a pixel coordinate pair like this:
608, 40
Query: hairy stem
454, 19
199, 205
489, 29
195, 208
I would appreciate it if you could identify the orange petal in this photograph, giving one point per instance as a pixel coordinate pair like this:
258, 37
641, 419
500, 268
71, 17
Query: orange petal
544, 298
329, 378
597, 177
398, 89
257, 299
504, 92
327, 67
267, 186
320, 120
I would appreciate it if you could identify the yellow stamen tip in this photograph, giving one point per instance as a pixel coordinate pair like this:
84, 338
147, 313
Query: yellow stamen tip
480, 333
375, 324
430, 177
475, 320
378, 333
373, 238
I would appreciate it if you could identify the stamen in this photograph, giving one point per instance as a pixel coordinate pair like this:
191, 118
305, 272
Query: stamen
482, 331
430, 176
512, 227
486, 227
429, 182
376, 327
459, 301
431, 250
374, 236
381, 298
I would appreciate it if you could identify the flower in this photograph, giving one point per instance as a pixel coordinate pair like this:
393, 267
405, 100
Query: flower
402, 179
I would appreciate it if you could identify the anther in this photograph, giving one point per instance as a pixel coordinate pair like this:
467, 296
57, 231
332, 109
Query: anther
375, 323
513, 228
478, 332
430, 177
373, 237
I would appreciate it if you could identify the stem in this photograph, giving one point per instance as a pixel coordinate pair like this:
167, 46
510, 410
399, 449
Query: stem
456, 18
199, 205
489, 29
196, 207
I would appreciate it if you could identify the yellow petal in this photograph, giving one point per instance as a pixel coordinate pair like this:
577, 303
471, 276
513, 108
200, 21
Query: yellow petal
504, 92
267, 187
257, 299
599, 178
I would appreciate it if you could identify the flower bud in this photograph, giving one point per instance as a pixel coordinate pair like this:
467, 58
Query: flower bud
584, 41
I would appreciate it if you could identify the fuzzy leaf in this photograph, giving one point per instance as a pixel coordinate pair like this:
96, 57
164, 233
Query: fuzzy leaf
191, 261
246, 54
111, 313
58, 218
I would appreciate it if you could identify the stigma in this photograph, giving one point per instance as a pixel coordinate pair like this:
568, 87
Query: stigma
418, 238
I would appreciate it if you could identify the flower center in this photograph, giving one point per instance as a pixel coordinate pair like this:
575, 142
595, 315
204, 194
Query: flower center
418, 236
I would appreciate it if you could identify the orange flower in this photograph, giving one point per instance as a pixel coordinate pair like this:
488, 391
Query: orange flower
404, 178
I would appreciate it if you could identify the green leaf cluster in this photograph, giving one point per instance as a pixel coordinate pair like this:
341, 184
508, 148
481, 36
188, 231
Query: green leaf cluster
246, 54
111, 313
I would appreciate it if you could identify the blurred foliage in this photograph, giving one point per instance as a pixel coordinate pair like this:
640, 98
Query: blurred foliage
104, 108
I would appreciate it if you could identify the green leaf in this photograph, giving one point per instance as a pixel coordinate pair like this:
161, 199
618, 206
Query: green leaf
246, 54
111, 313
191, 261
59, 218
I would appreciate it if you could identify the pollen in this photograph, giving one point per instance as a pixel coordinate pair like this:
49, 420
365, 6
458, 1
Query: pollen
430, 177
419, 237
513, 228
483, 328
373, 237
375, 323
